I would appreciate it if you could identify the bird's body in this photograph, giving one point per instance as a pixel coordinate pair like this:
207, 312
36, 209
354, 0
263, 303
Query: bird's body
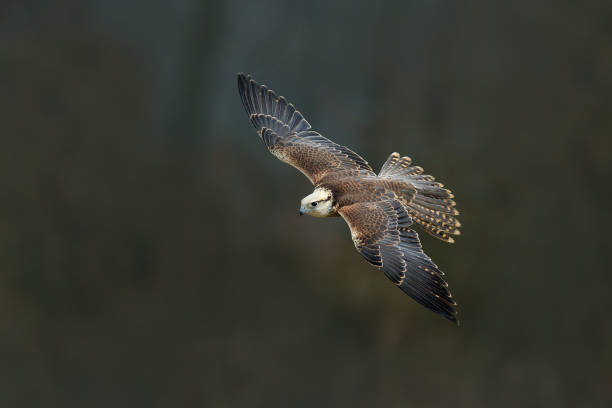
379, 208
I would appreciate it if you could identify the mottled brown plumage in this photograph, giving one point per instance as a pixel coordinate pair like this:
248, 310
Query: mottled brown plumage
379, 209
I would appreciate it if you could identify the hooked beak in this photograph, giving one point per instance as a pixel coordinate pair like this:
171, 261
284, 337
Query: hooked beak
302, 210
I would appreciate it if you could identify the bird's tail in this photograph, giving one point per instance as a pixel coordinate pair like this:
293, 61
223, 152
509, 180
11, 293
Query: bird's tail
432, 207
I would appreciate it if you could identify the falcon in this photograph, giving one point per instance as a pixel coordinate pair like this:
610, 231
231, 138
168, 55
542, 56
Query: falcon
380, 209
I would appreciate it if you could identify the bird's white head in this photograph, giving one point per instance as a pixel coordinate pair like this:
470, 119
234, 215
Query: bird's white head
318, 204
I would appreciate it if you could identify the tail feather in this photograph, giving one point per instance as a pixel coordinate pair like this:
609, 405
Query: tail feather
432, 207
443, 206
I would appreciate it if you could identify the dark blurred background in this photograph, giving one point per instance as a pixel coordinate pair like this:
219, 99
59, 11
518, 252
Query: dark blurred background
150, 248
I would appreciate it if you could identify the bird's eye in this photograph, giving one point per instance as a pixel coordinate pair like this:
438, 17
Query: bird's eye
314, 203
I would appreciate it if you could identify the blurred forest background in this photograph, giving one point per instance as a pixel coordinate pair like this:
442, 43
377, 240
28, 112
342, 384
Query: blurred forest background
150, 248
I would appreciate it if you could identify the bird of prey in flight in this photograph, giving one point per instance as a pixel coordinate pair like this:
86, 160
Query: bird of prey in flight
380, 209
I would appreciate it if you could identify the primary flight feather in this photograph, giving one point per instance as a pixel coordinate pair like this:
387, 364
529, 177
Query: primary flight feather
379, 209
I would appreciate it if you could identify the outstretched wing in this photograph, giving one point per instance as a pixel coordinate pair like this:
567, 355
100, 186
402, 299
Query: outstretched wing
290, 137
381, 233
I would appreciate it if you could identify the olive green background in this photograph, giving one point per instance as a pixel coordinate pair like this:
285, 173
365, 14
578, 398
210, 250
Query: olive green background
151, 253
